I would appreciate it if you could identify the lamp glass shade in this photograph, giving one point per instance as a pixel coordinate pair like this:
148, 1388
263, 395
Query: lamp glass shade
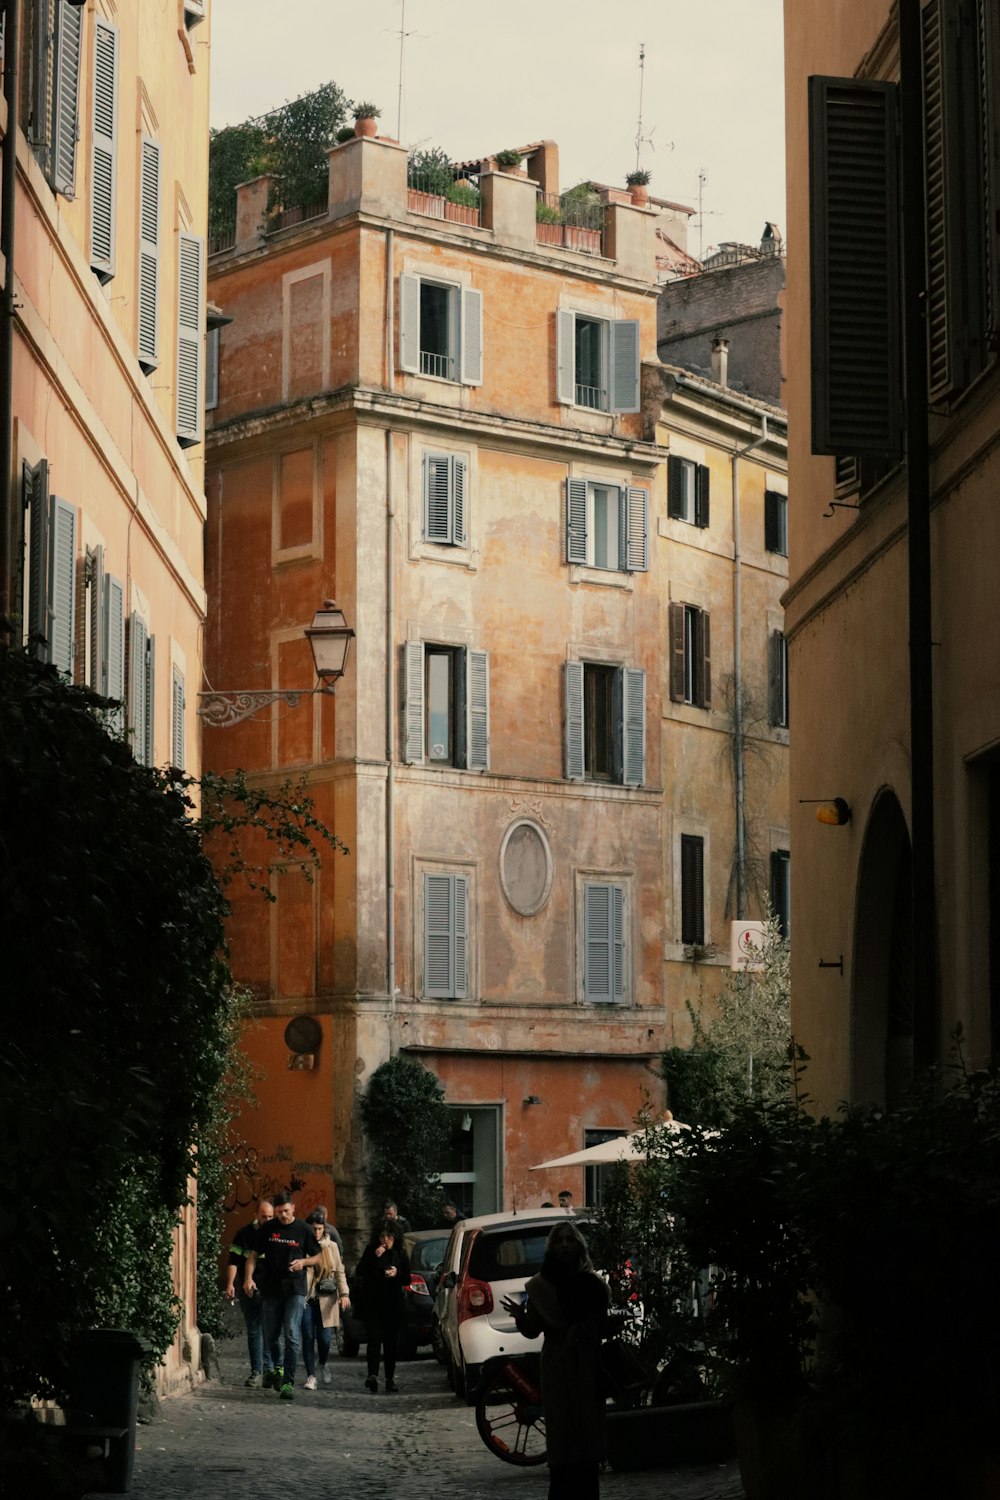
330, 638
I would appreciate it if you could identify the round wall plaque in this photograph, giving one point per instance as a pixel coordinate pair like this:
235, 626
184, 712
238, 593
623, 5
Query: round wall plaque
303, 1034
525, 867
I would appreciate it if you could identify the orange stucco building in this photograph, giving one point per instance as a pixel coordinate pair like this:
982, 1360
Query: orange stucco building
438, 415
106, 474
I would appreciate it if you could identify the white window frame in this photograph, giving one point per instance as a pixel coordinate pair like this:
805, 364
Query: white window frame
449, 474
620, 362
463, 363
629, 534
620, 991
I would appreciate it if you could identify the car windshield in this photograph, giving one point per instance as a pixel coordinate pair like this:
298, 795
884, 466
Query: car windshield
426, 1255
513, 1254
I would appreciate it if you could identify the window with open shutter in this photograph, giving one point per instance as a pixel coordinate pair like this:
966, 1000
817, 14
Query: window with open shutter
472, 337
190, 337
39, 19
574, 740
778, 679
776, 523
637, 530
104, 151
62, 585
702, 490
113, 660
445, 486
565, 358
137, 637
703, 674
576, 520
65, 130
692, 889
677, 661
603, 943
623, 363
177, 704
36, 562
413, 702
95, 618
855, 278
446, 921
477, 710
148, 740
633, 726
149, 254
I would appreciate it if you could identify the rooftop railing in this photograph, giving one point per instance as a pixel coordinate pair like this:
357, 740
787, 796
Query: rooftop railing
434, 196
573, 223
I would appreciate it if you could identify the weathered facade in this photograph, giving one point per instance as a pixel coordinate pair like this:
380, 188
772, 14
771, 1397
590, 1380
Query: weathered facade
875, 992
106, 475
437, 415
741, 303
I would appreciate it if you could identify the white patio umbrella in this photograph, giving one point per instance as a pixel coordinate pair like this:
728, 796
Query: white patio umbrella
619, 1148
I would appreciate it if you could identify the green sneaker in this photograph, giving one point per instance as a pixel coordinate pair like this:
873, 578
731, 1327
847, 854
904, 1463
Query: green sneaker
287, 1392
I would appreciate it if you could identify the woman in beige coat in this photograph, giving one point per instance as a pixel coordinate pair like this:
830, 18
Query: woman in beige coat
321, 1313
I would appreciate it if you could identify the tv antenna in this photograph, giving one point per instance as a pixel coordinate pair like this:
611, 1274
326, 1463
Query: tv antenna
640, 139
402, 34
712, 213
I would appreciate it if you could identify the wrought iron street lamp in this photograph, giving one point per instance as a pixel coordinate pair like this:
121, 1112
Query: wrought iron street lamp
329, 637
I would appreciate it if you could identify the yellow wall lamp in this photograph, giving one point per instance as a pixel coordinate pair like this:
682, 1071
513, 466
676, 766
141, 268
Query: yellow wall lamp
835, 811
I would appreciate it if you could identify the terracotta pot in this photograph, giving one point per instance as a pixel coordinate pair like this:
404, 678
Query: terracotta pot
640, 195
366, 126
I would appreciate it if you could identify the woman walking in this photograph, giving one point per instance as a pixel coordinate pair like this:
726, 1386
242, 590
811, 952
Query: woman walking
383, 1271
568, 1302
326, 1299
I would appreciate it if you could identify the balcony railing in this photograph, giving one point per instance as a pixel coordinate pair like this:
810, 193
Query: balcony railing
441, 365
593, 396
284, 218
573, 223
430, 194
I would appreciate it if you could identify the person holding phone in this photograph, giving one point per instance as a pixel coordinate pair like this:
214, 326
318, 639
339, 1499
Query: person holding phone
383, 1272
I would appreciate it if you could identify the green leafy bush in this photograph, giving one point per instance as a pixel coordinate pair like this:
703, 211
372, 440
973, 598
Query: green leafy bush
463, 193
430, 170
407, 1126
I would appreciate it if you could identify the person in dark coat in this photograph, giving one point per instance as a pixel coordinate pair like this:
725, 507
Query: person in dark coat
568, 1302
383, 1271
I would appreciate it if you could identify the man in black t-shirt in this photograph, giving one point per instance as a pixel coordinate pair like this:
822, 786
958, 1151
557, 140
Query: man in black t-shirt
277, 1265
244, 1240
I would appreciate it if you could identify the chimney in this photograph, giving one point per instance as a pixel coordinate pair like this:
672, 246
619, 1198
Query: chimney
720, 361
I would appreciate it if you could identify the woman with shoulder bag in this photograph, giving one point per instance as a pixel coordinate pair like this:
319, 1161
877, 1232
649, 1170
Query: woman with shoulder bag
326, 1298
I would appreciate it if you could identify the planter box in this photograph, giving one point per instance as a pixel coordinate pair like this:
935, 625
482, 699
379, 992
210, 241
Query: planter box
655, 1437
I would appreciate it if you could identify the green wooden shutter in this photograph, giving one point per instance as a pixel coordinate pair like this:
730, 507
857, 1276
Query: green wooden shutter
437, 498
413, 702
177, 705
149, 255
104, 151
773, 529
576, 520
692, 889
675, 487
471, 367
62, 585
637, 530
675, 617
854, 267
36, 494
565, 358
459, 481
633, 726
477, 697
702, 489
65, 98
573, 677
624, 365
190, 338
409, 323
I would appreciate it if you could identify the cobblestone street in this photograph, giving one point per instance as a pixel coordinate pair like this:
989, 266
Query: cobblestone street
223, 1442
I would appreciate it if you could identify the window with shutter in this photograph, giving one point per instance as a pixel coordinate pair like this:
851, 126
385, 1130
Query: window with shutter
445, 499
95, 618
477, 736
778, 680
781, 890
62, 586
446, 934
34, 573
190, 337
690, 655
604, 943
597, 362
148, 742
39, 22
634, 727
623, 361
701, 495
104, 151
855, 278
440, 330
177, 705
149, 254
65, 128
776, 523
113, 660
692, 890
136, 640
446, 720
606, 526
605, 723
687, 491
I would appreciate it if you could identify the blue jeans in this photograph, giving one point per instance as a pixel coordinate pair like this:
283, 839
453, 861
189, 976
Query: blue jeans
252, 1310
283, 1326
314, 1336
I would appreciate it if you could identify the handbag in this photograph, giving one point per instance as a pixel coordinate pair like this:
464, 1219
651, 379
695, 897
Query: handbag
327, 1287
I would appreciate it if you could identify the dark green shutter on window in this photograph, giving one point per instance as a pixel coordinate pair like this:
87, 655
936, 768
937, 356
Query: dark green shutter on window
702, 488
675, 487
692, 889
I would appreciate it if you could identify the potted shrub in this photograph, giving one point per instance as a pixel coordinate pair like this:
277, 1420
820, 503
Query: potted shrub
509, 160
365, 116
638, 184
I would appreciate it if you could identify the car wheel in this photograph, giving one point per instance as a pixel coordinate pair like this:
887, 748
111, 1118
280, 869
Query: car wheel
456, 1379
438, 1344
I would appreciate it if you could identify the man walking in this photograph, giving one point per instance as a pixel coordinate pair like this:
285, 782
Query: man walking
243, 1241
284, 1248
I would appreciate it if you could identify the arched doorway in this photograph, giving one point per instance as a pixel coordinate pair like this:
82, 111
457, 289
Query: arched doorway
887, 1041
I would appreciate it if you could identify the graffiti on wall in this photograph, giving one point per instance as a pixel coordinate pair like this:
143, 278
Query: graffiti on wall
252, 1177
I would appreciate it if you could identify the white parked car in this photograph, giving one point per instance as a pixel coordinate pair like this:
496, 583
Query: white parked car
487, 1258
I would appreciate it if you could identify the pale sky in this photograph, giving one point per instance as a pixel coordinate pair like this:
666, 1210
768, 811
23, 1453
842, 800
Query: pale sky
480, 77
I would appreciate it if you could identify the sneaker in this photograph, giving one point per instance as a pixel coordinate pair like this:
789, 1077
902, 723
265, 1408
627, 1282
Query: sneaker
287, 1392
273, 1379
310, 1383
253, 1382
327, 1378
267, 1379
391, 1388
371, 1384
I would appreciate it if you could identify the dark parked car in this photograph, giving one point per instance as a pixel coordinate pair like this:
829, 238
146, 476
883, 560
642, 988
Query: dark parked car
425, 1248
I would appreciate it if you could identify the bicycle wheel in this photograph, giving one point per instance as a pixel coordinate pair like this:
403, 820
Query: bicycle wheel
511, 1425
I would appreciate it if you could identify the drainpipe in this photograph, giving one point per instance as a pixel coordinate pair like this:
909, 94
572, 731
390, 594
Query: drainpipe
740, 778
12, 45
390, 632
